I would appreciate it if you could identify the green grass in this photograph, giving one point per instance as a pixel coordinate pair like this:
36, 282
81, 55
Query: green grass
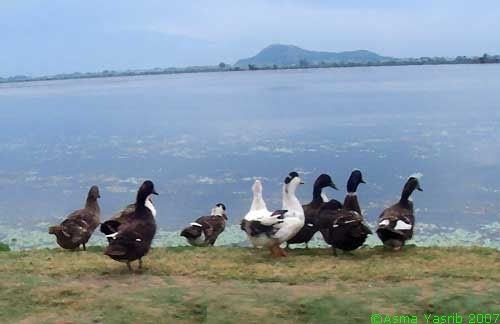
243, 285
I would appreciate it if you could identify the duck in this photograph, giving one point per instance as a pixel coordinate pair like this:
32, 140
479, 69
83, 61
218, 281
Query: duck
270, 229
205, 230
396, 223
348, 230
111, 225
311, 211
78, 227
133, 237
324, 220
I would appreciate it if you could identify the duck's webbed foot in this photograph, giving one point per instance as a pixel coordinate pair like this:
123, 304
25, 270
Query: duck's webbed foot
334, 250
129, 266
84, 248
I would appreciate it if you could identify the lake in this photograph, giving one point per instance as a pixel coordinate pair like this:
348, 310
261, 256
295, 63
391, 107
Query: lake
203, 138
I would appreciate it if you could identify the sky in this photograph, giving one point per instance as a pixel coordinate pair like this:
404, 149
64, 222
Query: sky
39, 37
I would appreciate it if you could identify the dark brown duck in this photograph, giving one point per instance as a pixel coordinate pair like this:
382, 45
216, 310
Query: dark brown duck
348, 230
311, 211
396, 223
78, 227
132, 239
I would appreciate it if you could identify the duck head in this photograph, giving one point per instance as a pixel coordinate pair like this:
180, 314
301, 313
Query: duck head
354, 180
292, 181
146, 191
324, 181
94, 193
257, 187
411, 185
219, 210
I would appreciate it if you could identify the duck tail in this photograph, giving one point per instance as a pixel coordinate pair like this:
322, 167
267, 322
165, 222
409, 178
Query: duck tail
109, 227
58, 229
115, 250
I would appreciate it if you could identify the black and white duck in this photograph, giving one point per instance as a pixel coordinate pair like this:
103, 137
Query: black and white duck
205, 230
270, 229
311, 211
133, 237
78, 227
348, 230
396, 223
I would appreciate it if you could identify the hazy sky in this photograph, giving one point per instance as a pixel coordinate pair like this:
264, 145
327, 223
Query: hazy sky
53, 36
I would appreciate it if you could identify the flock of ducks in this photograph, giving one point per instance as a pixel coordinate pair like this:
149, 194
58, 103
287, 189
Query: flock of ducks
130, 232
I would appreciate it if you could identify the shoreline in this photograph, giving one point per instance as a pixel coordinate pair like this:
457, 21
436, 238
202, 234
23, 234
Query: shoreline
209, 69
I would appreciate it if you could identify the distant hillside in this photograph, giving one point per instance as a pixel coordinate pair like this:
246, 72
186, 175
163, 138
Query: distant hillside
283, 55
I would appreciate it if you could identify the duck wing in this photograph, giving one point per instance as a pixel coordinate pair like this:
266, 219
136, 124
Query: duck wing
264, 223
327, 214
133, 239
348, 231
122, 217
75, 230
397, 220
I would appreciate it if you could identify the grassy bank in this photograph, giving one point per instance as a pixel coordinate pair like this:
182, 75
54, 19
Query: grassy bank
230, 285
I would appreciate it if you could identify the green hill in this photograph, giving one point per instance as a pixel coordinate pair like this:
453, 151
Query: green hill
243, 285
286, 55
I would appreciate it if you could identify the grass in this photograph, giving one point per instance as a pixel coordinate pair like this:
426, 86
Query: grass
231, 285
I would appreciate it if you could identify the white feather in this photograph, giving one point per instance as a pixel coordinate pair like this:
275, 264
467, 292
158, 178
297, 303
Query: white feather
195, 224
400, 225
385, 222
416, 175
150, 206
113, 236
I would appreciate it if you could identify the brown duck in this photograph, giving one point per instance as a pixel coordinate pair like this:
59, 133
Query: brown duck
132, 239
78, 227
205, 230
395, 224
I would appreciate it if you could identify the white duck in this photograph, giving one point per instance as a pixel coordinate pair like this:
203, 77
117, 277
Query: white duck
270, 229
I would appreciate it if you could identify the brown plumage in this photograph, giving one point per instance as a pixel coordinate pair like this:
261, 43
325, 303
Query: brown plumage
311, 212
347, 231
132, 237
205, 230
78, 227
396, 223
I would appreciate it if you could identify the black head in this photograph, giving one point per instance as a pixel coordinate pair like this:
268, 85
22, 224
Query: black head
94, 192
145, 190
292, 175
354, 180
411, 185
221, 205
324, 181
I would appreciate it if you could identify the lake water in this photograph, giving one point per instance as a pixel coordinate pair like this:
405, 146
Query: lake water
202, 138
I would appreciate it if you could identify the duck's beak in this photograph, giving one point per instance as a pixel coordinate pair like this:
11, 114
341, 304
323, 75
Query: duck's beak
302, 182
362, 181
334, 186
420, 189
155, 193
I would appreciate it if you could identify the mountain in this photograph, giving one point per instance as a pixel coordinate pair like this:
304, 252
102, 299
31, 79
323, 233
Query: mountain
292, 55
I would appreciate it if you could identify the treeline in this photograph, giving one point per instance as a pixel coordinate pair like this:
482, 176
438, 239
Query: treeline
304, 64
222, 67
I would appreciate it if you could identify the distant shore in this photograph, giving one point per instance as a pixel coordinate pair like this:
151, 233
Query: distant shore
485, 59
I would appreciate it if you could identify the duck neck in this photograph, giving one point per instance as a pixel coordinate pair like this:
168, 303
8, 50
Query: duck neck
92, 204
140, 202
258, 201
317, 195
351, 202
290, 200
405, 195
